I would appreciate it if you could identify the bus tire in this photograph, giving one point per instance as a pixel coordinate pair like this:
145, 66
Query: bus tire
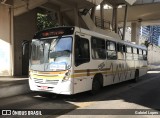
97, 84
136, 76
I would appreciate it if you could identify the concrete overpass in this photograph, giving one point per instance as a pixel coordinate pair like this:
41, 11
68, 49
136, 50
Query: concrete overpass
147, 14
18, 23
140, 13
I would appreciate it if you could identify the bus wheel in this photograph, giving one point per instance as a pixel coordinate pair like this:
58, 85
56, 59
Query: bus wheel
96, 85
136, 77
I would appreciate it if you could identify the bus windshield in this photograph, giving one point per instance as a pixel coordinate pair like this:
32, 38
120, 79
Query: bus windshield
51, 54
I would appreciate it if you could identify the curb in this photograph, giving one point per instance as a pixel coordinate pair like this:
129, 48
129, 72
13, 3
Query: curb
13, 88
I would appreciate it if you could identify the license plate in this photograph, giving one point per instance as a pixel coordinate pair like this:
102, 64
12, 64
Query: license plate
44, 87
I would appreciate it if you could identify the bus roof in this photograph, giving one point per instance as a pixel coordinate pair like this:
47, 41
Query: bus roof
69, 30
98, 35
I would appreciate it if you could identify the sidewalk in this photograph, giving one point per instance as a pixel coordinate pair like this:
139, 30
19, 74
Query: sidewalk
11, 86
152, 67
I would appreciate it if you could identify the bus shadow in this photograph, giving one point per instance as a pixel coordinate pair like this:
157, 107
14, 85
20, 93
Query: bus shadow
33, 101
144, 93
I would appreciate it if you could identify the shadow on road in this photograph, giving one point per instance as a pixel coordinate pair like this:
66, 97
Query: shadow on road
144, 93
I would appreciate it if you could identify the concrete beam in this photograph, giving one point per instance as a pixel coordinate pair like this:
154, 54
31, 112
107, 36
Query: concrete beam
120, 2
50, 7
67, 5
7, 2
63, 3
27, 6
131, 2
96, 2
54, 7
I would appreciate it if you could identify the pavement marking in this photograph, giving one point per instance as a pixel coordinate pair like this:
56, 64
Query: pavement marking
153, 72
82, 104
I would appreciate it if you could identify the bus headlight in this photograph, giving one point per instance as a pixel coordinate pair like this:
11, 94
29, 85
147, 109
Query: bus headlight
66, 76
30, 73
30, 77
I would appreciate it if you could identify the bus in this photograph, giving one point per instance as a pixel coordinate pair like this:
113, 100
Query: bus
70, 60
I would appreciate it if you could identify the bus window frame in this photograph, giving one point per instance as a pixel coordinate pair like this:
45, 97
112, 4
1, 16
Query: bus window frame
106, 43
122, 51
93, 49
144, 55
130, 52
77, 37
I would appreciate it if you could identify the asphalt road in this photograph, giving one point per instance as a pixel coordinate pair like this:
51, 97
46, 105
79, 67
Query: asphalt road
120, 100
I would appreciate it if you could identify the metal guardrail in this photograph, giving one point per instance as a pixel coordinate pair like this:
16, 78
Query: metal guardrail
101, 23
105, 25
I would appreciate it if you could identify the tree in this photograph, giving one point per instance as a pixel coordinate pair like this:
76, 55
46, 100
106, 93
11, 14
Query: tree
45, 21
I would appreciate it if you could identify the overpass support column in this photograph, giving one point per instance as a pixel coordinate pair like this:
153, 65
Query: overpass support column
60, 19
25, 26
125, 21
76, 16
135, 32
114, 19
102, 15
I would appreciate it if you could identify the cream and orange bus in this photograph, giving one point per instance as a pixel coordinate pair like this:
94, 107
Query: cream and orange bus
70, 60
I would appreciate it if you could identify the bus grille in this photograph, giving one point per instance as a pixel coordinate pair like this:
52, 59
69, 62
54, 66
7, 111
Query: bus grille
54, 82
38, 80
46, 81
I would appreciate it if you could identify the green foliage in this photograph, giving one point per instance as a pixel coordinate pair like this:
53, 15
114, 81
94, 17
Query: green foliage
45, 21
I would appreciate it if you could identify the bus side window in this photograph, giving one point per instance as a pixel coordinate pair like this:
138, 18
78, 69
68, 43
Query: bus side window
129, 53
135, 53
144, 55
111, 50
124, 48
120, 51
98, 48
140, 57
82, 54
119, 47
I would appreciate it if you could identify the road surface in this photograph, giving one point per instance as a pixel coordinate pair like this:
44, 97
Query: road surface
118, 100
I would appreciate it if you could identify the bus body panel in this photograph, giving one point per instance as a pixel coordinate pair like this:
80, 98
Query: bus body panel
113, 71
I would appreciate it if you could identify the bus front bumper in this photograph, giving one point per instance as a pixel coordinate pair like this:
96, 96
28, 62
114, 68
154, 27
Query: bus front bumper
63, 87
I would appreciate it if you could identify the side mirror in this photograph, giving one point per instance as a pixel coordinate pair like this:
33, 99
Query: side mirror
24, 46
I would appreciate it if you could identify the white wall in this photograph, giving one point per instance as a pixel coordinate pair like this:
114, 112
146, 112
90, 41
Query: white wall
153, 55
5, 41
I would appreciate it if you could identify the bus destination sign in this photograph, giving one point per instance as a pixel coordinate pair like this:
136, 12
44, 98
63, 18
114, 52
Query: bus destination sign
54, 32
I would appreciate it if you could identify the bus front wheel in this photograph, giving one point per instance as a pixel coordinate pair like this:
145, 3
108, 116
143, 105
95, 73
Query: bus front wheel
136, 77
96, 85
